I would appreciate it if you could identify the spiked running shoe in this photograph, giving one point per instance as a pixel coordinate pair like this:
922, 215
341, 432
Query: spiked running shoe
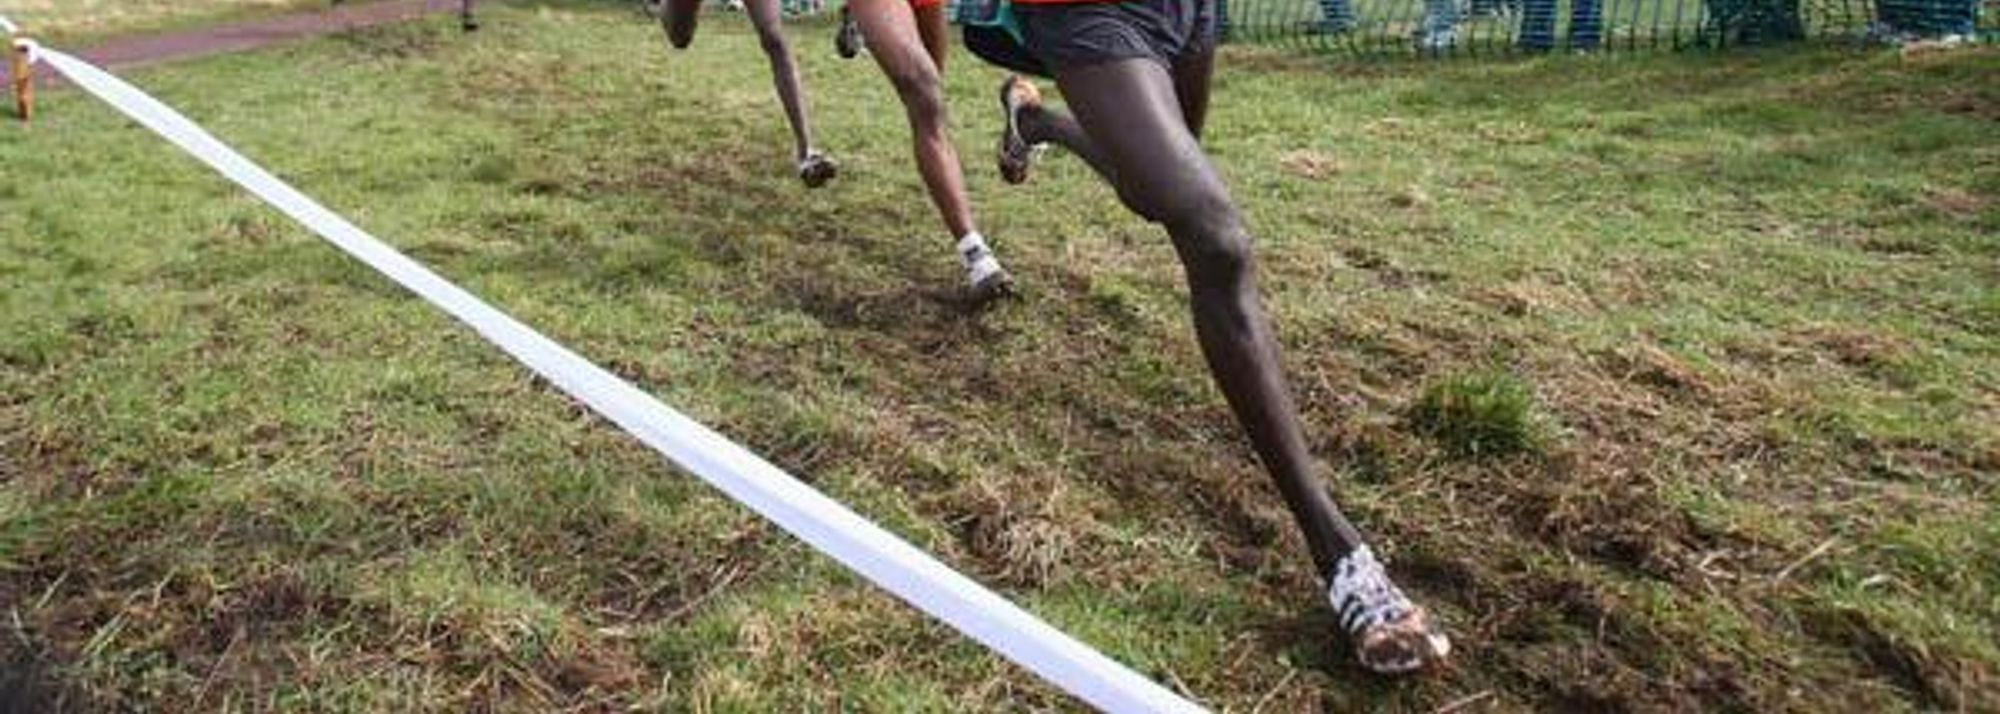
985, 280
1016, 155
847, 40
996, 285
1391, 635
816, 169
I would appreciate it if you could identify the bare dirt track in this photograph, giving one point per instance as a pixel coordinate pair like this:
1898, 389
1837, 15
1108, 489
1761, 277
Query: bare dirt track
141, 51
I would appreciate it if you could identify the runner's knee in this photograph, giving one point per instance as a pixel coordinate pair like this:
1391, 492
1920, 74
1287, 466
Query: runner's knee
1208, 231
1217, 262
773, 41
922, 95
1200, 205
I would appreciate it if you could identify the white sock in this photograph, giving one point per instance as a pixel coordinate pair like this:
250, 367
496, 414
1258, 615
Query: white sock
979, 261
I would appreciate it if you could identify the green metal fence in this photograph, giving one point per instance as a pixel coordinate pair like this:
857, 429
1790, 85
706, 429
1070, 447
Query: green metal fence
1449, 27
1473, 27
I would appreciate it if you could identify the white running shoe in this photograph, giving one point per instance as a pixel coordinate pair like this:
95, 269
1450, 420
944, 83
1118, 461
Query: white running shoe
1391, 635
984, 277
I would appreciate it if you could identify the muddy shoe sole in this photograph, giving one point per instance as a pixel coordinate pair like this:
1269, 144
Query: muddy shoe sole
817, 169
1403, 646
847, 39
995, 287
1015, 156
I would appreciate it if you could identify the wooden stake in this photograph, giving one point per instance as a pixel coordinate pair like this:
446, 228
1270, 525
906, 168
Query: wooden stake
24, 82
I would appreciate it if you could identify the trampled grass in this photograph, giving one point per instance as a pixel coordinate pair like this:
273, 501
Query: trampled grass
1754, 298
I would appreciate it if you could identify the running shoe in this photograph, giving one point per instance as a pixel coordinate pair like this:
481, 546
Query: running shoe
816, 169
1016, 155
996, 285
1391, 635
847, 40
985, 279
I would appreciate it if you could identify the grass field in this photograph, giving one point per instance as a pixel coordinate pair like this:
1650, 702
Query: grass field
1670, 382
85, 20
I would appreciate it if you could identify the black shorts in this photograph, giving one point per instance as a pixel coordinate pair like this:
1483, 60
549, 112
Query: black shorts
999, 48
1077, 34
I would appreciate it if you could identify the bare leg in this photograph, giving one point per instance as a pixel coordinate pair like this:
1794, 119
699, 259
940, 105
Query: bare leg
679, 18
936, 31
768, 18
1191, 78
1040, 124
1138, 131
890, 28
1161, 173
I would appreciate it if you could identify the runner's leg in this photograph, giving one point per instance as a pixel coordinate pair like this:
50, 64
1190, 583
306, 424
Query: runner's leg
768, 18
935, 29
892, 31
679, 18
889, 27
1160, 172
1135, 121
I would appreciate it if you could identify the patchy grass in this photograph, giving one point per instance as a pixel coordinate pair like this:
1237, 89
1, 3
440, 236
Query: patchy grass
1757, 292
85, 20
1480, 414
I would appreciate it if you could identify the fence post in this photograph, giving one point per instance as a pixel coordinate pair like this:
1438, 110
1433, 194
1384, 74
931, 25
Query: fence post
24, 78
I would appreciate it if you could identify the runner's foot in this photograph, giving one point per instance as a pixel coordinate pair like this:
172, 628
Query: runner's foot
847, 40
816, 169
1016, 155
995, 286
985, 279
1391, 635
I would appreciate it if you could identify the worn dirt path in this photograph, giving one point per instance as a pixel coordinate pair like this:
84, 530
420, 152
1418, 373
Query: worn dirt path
140, 51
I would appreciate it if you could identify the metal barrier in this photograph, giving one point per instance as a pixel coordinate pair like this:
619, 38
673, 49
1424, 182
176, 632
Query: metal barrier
1473, 27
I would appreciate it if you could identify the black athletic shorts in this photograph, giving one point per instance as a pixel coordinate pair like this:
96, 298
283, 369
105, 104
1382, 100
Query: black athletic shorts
1077, 34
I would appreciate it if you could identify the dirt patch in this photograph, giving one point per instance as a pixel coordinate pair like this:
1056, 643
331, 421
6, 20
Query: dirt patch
1026, 537
1852, 346
43, 465
1935, 679
392, 41
1387, 271
638, 574
888, 311
1957, 203
1647, 364
1533, 296
27, 686
157, 49
1310, 164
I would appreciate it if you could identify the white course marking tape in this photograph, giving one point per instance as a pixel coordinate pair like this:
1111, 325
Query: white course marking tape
880, 556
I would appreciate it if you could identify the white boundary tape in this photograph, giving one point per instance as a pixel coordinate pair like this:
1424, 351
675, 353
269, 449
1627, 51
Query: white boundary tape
825, 524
